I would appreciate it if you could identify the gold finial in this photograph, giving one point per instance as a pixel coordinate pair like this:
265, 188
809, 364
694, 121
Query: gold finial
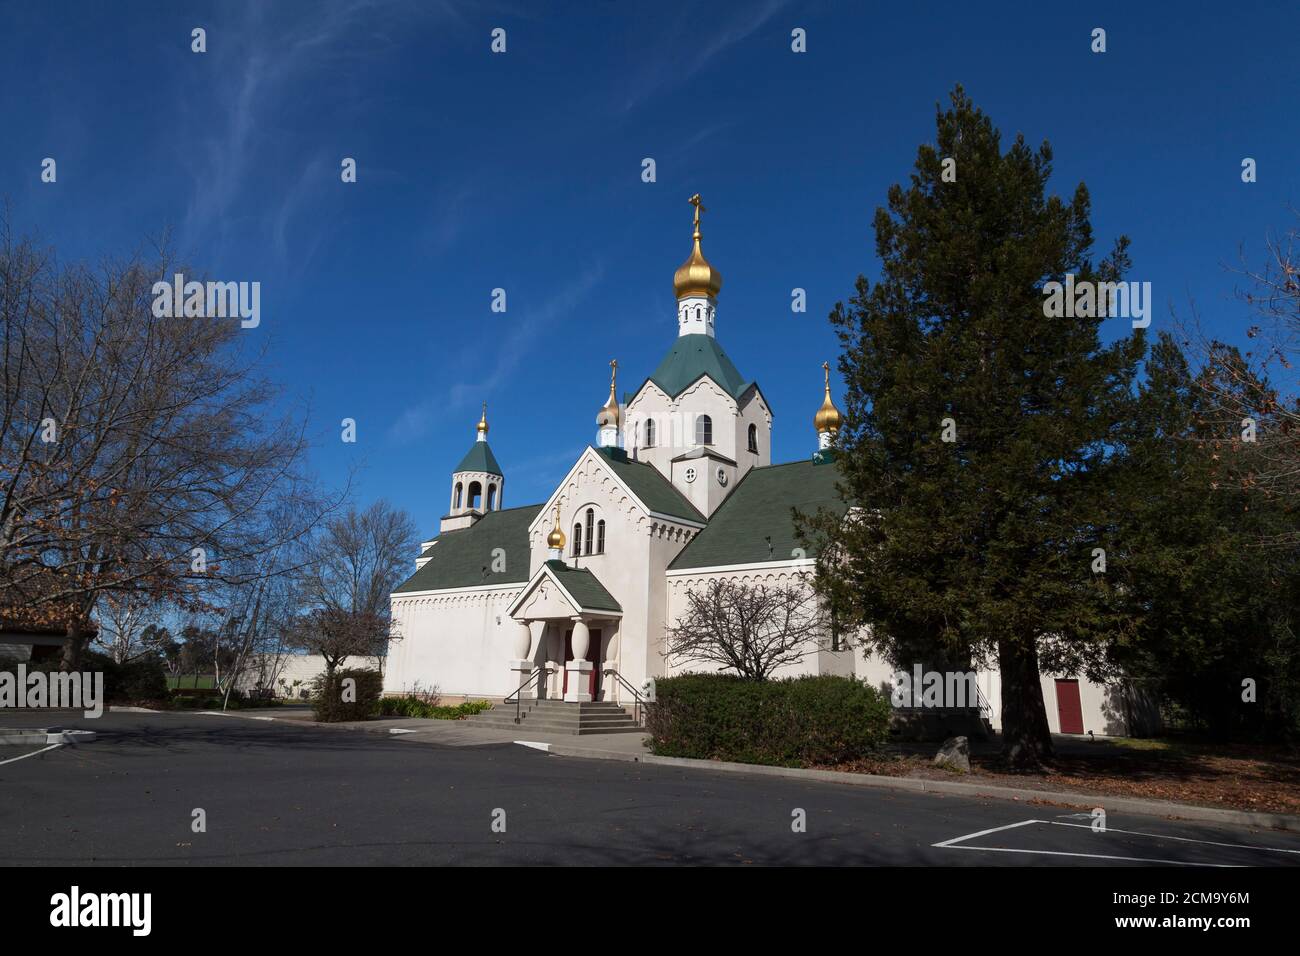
608, 415
696, 276
482, 422
828, 418
556, 538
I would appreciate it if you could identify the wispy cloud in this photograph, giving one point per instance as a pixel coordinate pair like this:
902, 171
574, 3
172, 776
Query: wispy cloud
686, 56
526, 329
259, 60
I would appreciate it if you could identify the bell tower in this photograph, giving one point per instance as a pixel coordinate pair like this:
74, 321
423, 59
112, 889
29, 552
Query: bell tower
477, 484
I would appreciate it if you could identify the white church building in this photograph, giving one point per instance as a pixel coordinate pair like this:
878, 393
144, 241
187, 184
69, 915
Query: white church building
572, 596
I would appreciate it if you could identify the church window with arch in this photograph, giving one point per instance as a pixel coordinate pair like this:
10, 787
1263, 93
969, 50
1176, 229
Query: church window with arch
577, 539
591, 520
704, 430
753, 439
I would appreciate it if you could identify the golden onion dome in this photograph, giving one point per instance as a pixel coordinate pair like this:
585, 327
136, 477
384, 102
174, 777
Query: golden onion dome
482, 422
828, 417
608, 415
556, 538
696, 276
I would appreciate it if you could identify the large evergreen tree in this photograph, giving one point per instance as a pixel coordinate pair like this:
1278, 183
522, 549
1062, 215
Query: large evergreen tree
981, 546
1208, 571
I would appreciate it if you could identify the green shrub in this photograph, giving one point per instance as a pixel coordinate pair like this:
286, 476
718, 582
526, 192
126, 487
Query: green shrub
141, 680
327, 695
412, 706
796, 722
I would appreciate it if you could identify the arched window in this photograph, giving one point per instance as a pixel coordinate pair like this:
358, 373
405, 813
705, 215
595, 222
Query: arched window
577, 539
475, 495
591, 520
456, 499
492, 494
704, 430
600, 536
753, 438
649, 432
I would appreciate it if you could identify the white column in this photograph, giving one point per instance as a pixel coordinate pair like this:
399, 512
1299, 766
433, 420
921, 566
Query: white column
521, 666
579, 669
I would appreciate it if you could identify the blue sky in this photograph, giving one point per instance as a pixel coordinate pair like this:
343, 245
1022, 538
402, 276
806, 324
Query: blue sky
523, 171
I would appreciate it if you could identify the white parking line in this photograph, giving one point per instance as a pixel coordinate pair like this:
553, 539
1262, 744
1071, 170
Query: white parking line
953, 844
971, 836
1163, 836
1091, 856
32, 754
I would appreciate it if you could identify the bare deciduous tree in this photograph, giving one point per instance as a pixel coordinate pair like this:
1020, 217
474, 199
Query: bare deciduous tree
1254, 408
750, 629
137, 451
351, 568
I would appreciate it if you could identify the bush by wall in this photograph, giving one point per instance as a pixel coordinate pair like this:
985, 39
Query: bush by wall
412, 706
327, 695
140, 680
800, 721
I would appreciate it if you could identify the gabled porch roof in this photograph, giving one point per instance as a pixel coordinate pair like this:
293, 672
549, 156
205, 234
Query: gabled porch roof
576, 588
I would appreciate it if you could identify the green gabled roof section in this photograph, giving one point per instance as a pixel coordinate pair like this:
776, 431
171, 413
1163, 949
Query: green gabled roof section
761, 508
464, 558
584, 587
480, 458
693, 356
650, 487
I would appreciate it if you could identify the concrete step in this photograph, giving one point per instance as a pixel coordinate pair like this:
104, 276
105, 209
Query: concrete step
560, 717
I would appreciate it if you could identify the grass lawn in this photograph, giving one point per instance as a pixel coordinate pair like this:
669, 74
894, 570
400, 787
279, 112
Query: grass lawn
1236, 776
201, 682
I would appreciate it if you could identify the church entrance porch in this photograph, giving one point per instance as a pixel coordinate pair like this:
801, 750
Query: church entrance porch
567, 625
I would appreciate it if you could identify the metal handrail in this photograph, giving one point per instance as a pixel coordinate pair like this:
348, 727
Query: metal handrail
518, 692
986, 708
636, 694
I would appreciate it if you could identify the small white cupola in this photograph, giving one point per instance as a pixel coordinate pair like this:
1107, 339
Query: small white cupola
610, 415
477, 484
696, 284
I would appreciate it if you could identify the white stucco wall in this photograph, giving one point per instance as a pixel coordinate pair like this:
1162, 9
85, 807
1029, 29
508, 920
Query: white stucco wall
456, 641
774, 574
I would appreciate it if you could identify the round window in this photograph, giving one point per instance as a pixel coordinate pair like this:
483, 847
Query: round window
689, 474
722, 477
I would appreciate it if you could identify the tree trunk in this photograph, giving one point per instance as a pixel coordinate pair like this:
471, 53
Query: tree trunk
74, 642
1026, 739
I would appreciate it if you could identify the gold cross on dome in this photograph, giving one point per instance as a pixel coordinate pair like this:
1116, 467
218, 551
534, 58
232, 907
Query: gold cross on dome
699, 208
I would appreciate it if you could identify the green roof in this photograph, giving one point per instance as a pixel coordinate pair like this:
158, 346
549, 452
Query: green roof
761, 508
480, 458
692, 356
650, 487
464, 558
584, 587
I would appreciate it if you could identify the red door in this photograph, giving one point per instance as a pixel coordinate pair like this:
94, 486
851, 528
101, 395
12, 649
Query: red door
593, 655
1068, 707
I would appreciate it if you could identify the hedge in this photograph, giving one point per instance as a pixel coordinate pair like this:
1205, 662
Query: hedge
327, 695
801, 721
142, 679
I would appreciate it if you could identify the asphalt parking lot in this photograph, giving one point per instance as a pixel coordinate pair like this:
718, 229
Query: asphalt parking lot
271, 793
